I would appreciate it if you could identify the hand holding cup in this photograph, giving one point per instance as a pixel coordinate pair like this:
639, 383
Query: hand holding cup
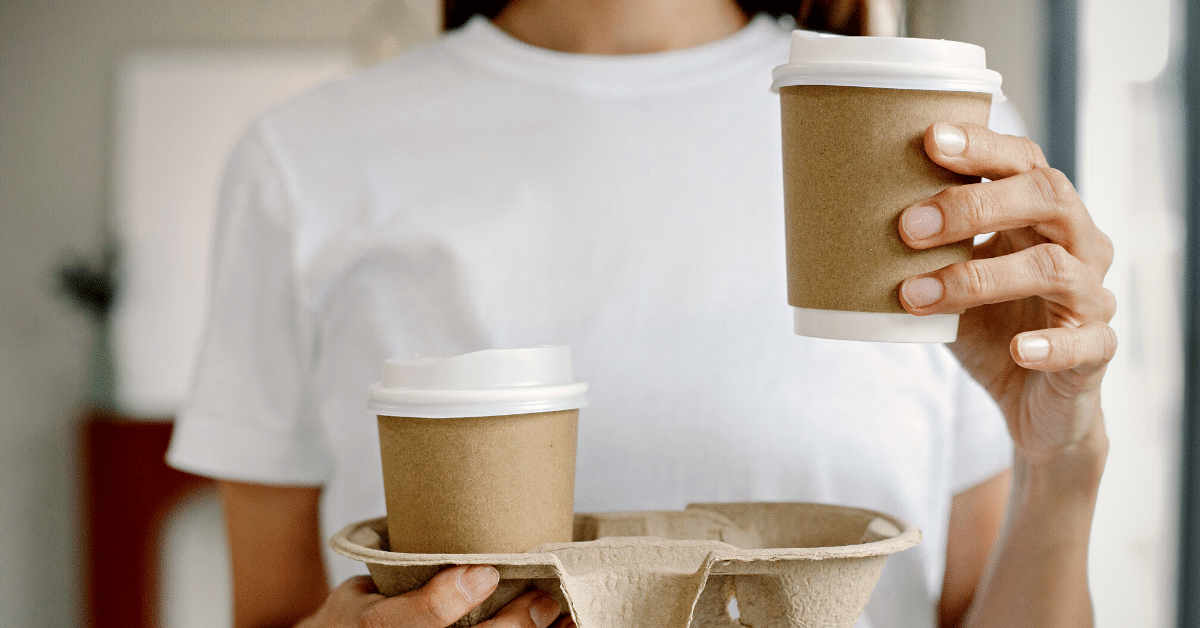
853, 110
1034, 329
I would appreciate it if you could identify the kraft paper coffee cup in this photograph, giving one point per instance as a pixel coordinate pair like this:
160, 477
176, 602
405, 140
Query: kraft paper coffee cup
478, 450
854, 114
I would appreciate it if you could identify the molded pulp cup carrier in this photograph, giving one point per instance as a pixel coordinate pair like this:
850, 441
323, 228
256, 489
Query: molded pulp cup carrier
789, 565
854, 110
478, 449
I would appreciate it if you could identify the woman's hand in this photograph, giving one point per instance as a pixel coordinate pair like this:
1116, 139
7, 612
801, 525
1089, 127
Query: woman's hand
1034, 329
442, 601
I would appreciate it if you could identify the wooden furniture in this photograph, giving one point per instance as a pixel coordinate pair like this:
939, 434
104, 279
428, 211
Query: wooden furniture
129, 491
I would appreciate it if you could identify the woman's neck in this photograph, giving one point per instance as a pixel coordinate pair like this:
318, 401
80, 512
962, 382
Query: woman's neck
619, 27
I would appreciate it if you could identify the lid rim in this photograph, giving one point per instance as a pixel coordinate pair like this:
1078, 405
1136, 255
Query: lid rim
479, 395
474, 410
480, 402
887, 76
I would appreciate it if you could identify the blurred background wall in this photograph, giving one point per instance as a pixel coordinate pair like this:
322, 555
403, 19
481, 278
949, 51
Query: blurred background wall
1127, 102
1014, 34
59, 64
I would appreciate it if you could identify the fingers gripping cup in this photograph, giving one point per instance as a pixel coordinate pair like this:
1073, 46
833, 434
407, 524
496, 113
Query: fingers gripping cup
479, 450
854, 113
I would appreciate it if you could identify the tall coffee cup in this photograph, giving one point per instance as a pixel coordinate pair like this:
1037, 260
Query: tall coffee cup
854, 113
478, 450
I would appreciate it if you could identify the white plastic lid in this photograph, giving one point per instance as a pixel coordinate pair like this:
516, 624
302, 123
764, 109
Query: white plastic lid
493, 382
886, 62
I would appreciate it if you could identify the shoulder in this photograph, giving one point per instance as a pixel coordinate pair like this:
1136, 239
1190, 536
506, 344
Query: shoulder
380, 95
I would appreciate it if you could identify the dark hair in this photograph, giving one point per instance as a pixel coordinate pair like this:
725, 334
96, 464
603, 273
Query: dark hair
810, 14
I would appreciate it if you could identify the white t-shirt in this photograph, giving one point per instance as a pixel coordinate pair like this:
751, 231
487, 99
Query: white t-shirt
482, 193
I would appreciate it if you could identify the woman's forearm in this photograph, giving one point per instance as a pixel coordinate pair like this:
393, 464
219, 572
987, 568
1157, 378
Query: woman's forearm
1037, 572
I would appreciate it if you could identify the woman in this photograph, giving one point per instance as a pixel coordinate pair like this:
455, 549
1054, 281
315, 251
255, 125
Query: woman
605, 173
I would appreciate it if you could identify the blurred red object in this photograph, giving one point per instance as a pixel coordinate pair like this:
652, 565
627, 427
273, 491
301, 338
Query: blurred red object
129, 492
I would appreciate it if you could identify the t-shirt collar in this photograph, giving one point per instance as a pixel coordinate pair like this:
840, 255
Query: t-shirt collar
483, 43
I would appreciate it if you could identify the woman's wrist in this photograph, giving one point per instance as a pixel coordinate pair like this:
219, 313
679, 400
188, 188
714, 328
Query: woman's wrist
1069, 474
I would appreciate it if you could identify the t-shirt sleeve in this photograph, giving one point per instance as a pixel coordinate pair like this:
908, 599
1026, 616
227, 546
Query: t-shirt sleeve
982, 445
247, 417
1006, 119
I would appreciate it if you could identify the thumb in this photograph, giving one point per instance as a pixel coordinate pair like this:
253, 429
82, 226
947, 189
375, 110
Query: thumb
442, 601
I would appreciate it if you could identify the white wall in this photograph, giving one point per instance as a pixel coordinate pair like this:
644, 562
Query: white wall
194, 574
1129, 175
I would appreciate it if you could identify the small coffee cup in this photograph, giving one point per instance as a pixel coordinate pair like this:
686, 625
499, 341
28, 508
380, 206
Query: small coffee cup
478, 450
854, 113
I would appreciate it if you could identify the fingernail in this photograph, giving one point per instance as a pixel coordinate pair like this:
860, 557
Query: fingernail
922, 291
1033, 348
543, 611
921, 222
478, 581
950, 139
